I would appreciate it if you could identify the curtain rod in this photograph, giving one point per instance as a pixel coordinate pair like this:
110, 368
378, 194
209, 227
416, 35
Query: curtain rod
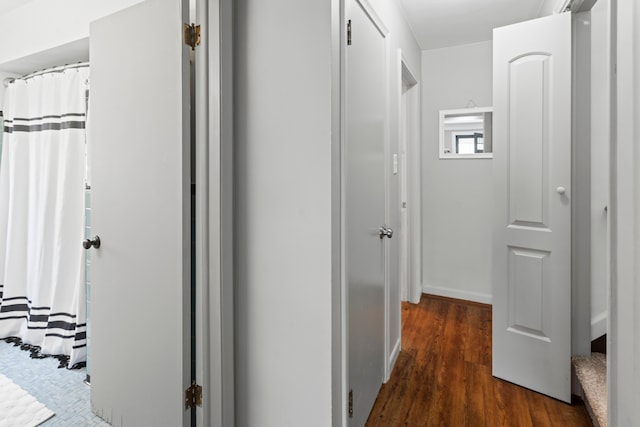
58, 69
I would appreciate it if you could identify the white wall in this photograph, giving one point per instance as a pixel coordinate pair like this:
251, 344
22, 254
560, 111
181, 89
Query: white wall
624, 336
400, 33
2, 87
547, 6
46, 33
40, 25
283, 137
456, 194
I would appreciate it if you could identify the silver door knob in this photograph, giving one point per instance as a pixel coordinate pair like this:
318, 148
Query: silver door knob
89, 242
385, 231
561, 190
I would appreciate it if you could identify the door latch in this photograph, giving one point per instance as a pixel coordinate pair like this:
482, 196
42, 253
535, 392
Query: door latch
88, 243
385, 231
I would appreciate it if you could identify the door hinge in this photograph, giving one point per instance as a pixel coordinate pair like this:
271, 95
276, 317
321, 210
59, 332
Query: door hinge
351, 403
192, 35
349, 32
193, 396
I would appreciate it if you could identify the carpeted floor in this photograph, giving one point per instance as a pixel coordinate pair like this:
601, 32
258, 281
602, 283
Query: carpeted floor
61, 390
591, 372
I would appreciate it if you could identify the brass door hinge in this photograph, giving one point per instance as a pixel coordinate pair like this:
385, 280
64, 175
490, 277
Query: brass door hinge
193, 396
192, 35
351, 403
349, 32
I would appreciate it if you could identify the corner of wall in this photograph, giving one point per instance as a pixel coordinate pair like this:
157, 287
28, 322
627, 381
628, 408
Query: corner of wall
462, 294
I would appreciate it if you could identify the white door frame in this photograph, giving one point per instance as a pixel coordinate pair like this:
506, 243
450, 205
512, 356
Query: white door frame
624, 299
391, 350
214, 210
339, 355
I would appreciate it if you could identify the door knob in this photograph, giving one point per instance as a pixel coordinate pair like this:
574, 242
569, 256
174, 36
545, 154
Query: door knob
561, 190
88, 243
384, 231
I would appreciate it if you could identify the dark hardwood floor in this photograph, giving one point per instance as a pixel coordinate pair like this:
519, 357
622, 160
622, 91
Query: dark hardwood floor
443, 376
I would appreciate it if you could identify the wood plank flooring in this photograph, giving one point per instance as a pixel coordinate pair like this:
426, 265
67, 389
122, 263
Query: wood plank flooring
443, 376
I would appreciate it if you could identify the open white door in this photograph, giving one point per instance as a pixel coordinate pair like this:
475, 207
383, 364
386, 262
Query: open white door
139, 135
532, 192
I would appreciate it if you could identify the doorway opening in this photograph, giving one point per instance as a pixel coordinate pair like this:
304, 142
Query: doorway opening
403, 273
410, 200
46, 283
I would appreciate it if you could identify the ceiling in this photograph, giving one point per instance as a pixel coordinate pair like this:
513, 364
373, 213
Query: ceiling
443, 23
9, 5
70, 53
77, 51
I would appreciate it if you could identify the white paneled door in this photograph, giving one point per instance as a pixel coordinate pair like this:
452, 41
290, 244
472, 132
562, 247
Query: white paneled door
139, 135
532, 192
364, 195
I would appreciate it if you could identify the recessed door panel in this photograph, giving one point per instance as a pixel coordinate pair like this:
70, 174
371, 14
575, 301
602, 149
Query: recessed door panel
528, 274
528, 121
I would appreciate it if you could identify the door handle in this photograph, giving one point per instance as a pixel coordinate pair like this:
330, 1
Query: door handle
561, 190
88, 243
385, 231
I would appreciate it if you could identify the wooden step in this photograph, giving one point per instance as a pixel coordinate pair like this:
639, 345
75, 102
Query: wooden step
591, 372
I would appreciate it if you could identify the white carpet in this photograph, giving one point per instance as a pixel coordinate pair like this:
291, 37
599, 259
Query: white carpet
591, 372
18, 408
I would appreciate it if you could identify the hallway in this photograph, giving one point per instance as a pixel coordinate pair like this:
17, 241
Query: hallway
443, 375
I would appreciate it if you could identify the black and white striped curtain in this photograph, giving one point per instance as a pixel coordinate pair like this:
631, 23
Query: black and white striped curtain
42, 176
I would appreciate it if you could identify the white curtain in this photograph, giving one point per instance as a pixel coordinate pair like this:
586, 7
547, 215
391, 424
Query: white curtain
42, 283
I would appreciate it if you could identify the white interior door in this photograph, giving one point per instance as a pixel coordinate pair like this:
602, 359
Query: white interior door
364, 200
532, 191
139, 135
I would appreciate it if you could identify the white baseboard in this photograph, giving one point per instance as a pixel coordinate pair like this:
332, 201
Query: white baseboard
392, 360
457, 293
598, 325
